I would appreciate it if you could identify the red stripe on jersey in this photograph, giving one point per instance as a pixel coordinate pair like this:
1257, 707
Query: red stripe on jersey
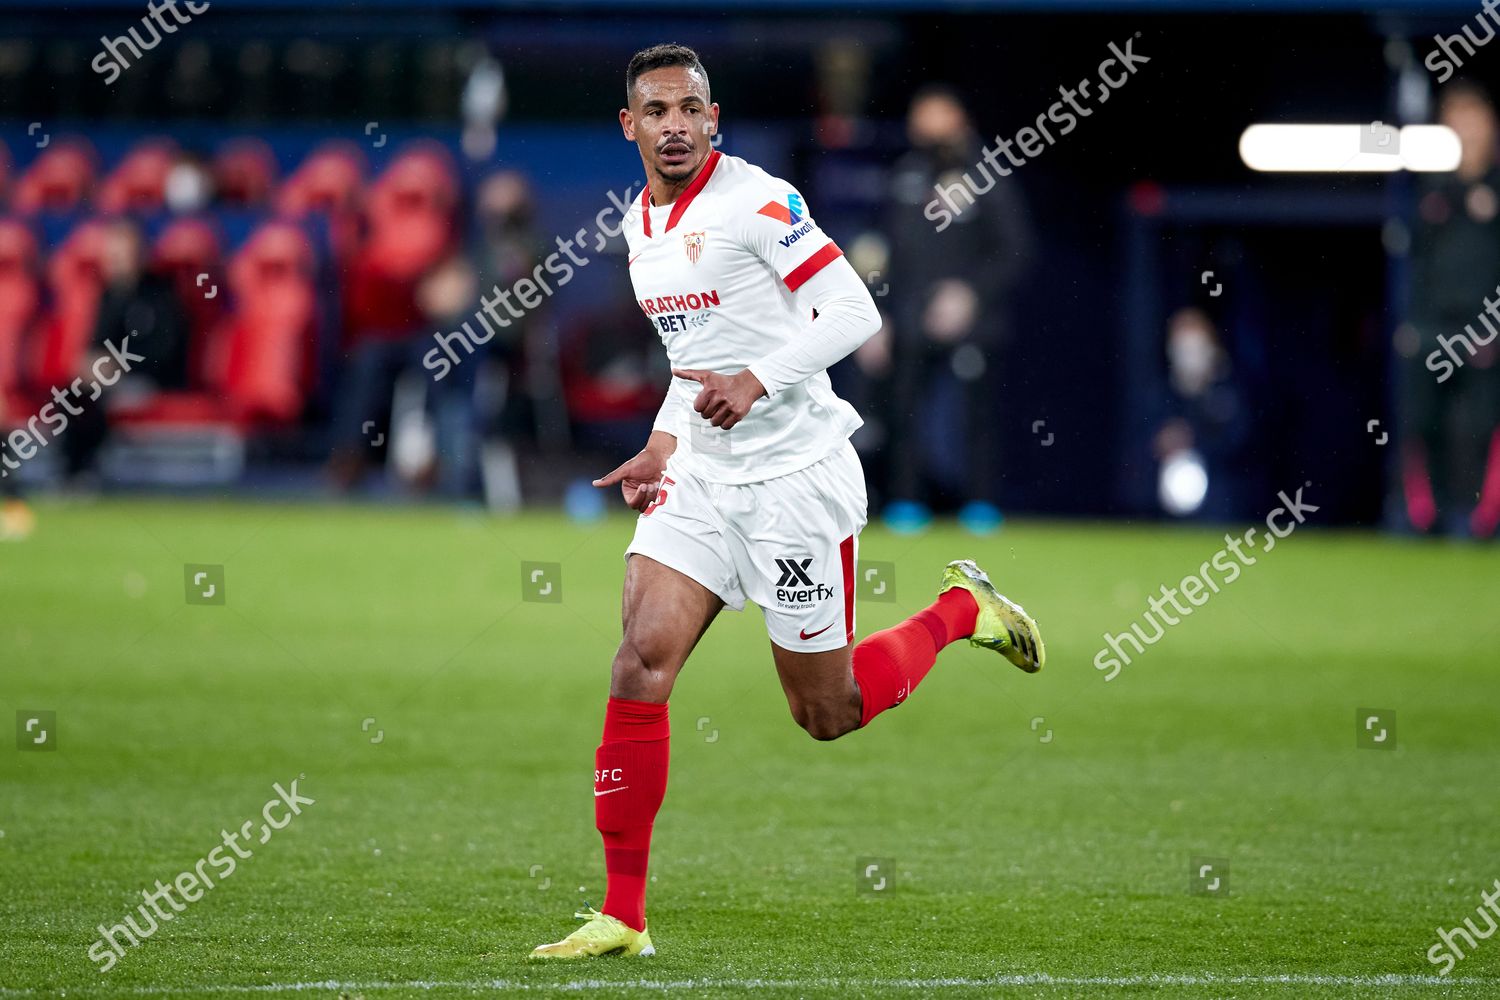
777, 211
812, 266
680, 205
683, 201
846, 556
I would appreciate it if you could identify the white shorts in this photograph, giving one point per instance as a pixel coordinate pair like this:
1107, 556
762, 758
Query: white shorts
789, 544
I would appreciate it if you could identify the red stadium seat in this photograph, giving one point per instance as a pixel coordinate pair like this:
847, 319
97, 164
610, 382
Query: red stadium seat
139, 182
75, 277
330, 182
59, 180
264, 370
411, 227
245, 172
20, 303
421, 176
404, 246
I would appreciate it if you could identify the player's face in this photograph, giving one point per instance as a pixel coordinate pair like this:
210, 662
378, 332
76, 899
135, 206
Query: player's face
671, 120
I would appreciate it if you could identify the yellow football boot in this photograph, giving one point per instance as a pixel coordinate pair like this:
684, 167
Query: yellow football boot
1002, 625
601, 935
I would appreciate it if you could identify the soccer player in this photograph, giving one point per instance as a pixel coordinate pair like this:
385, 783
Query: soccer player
748, 488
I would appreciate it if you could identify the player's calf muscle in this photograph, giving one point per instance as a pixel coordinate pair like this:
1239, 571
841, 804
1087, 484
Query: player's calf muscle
664, 614
642, 675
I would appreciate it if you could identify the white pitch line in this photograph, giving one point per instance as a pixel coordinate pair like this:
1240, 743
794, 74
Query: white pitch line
663, 985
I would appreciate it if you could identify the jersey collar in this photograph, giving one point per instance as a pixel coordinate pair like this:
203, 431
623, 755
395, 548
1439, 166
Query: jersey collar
683, 200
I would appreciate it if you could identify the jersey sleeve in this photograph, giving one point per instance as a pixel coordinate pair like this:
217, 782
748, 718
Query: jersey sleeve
669, 416
777, 227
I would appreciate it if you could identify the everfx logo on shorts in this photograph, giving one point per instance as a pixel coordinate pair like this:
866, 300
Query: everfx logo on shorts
796, 587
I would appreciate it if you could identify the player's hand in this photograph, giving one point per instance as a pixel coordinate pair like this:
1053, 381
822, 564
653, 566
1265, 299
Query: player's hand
724, 399
639, 478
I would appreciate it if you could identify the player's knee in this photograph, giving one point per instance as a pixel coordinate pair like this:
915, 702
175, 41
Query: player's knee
824, 721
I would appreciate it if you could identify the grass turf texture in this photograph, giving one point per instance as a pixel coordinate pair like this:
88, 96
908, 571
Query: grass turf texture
1233, 737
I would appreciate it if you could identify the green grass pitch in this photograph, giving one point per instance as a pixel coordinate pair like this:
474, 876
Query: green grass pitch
1036, 833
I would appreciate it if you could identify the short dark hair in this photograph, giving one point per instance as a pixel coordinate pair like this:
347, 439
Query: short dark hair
657, 57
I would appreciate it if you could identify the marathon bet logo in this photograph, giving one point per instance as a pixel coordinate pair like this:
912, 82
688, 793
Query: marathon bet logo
796, 588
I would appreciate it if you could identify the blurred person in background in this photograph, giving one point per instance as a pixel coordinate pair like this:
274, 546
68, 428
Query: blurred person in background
138, 307
506, 248
1203, 430
444, 298
411, 224
1450, 396
448, 297
950, 295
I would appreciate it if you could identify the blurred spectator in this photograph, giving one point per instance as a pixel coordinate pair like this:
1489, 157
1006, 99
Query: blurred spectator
138, 308
411, 230
448, 297
506, 247
1451, 423
142, 306
1204, 428
950, 294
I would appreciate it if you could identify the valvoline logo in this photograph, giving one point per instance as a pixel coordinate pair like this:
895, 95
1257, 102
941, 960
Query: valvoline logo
790, 213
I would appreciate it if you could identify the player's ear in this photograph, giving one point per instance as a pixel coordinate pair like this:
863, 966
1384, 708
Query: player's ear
627, 124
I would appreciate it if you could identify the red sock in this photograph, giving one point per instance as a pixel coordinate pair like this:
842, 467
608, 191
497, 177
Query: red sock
630, 780
889, 664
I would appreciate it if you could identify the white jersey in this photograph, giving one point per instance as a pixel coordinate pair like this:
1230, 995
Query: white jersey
716, 272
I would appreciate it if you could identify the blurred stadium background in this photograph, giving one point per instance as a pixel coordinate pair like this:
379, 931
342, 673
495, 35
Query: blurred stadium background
351, 179
281, 546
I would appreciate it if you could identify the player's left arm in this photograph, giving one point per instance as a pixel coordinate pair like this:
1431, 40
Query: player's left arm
840, 315
845, 317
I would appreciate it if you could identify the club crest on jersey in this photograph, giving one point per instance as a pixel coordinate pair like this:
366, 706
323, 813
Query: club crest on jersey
790, 213
693, 244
